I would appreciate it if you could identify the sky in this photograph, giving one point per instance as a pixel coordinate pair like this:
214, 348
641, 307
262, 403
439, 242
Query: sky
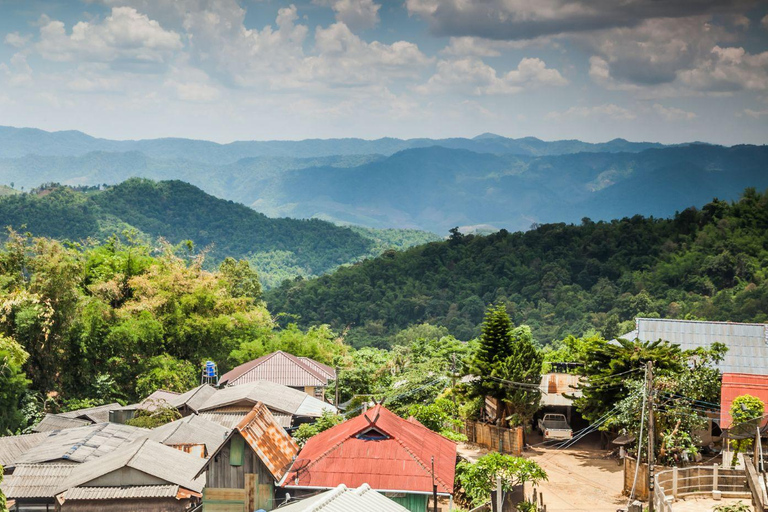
225, 70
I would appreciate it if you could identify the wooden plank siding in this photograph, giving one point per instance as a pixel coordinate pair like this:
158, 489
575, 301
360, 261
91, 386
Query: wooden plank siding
247, 487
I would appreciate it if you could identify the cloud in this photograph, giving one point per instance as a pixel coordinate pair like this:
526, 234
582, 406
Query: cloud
673, 113
473, 76
756, 114
125, 36
522, 19
356, 14
727, 70
764, 22
194, 92
608, 110
18, 73
468, 46
17, 40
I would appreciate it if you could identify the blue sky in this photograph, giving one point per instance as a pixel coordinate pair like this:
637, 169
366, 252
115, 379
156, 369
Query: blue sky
247, 69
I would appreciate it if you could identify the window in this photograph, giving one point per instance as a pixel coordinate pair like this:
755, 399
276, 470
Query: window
236, 449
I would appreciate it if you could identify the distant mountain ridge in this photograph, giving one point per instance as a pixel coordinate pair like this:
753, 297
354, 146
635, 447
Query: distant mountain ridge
20, 142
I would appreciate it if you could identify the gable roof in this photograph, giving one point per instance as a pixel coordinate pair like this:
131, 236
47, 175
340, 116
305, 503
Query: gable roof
82, 444
52, 422
737, 384
98, 414
120, 493
747, 343
13, 447
275, 396
274, 447
191, 430
343, 499
194, 398
401, 462
146, 456
278, 367
36, 480
326, 370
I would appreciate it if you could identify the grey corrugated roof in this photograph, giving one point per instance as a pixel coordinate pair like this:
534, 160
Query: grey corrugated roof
82, 444
53, 422
36, 480
194, 398
277, 397
278, 367
747, 343
121, 493
13, 447
342, 499
98, 414
146, 456
191, 430
227, 419
326, 370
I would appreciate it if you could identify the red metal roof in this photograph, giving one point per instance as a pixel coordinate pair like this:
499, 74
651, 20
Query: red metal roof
737, 384
401, 462
278, 367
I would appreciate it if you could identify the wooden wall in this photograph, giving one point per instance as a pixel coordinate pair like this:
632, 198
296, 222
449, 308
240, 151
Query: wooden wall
145, 505
248, 487
504, 440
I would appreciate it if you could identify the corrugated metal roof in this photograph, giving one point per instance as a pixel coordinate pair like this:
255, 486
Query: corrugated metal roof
747, 343
275, 448
227, 419
191, 430
98, 414
194, 398
735, 385
36, 480
13, 447
342, 499
278, 367
399, 462
275, 396
53, 422
146, 456
121, 493
554, 385
329, 372
83, 443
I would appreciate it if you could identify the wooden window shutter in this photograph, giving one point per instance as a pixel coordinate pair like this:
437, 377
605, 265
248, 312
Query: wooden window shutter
236, 449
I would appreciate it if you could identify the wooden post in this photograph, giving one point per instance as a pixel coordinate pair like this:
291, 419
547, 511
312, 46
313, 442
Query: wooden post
714, 477
650, 437
674, 482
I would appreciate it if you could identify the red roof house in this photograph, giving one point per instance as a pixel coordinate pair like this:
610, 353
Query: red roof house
737, 384
389, 453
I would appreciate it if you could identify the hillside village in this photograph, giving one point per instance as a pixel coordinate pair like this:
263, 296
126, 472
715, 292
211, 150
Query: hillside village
270, 435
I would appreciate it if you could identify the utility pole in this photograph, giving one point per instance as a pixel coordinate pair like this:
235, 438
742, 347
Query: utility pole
453, 378
338, 379
651, 433
434, 486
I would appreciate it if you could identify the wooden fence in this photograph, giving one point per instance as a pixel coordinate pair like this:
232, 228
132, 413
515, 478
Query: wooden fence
502, 440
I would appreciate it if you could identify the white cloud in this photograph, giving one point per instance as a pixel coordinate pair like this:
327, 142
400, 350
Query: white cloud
673, 113
17, 40
125, 36
472, 75
756, 114
195, 92
356, 14
608, 110
468, 46
764, 21
728, 69
18, 73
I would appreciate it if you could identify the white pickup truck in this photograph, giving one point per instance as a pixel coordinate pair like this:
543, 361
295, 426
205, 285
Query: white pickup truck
555, 426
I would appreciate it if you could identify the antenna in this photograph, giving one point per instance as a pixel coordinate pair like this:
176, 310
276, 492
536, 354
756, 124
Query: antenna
210, 373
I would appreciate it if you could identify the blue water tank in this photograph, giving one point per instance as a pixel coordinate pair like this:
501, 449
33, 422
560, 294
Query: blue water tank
210, 369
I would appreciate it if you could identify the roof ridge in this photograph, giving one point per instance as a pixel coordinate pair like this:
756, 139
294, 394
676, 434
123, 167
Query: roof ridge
421, 463
335, 493
141, 445
305, 366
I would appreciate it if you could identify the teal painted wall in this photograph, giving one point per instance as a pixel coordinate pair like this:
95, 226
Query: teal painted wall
413, 502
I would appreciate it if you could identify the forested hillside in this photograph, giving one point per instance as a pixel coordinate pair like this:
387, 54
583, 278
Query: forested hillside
559, 279
176, 211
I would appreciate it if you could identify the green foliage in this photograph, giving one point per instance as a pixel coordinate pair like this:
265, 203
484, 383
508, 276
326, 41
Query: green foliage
508, 365
160, 414
746, 411
479, 478
241, 279
558, 279
441, 416
733, 507
13, 385
168, 373
306, 430
3, 501
318, 343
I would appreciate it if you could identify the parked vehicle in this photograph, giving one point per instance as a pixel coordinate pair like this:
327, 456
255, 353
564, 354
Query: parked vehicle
555, 426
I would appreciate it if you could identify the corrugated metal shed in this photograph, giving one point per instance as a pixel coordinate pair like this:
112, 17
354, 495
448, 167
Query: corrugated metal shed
747, 343
145, 456
98, 414
380, 448
278, 367
275, 396
53, 422
267, 438
82, 444
554, 385
36, 480
191, 430
13, 447
735, 385
121, 493
342, 499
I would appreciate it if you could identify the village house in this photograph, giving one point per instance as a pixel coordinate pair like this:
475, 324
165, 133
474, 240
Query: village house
192, 434
393, 455
280, 367
241, 475
77, 418
343, 499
